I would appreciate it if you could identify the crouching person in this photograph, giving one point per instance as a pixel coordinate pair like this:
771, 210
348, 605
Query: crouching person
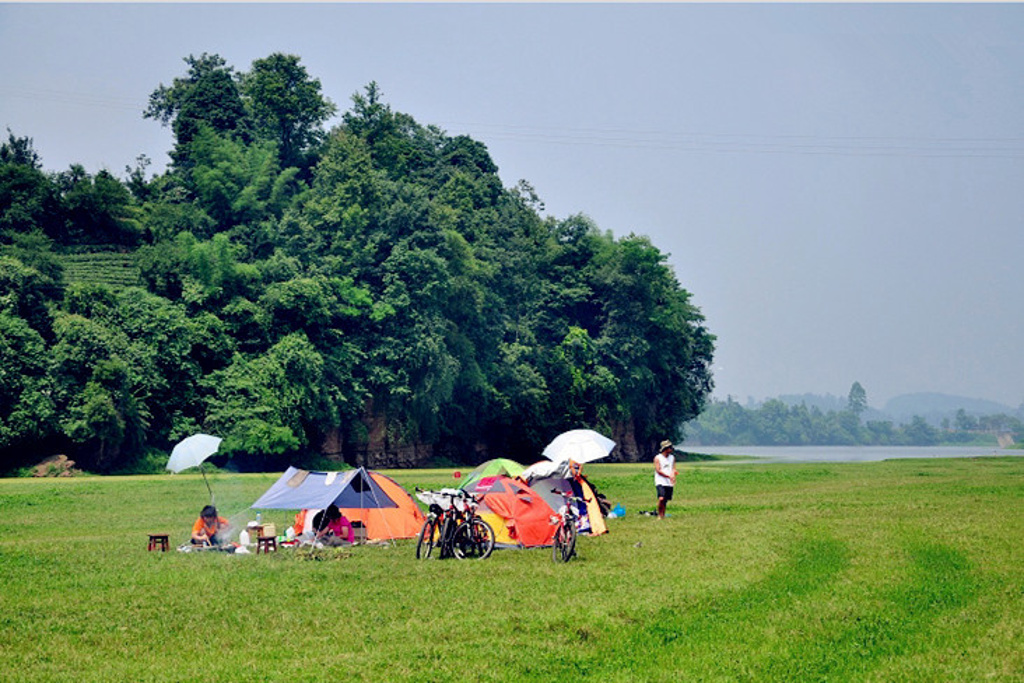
210, 528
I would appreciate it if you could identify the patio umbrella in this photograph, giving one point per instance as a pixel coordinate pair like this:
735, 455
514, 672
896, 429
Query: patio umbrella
192, 452
579, 445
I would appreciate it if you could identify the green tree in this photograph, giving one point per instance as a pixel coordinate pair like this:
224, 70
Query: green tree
19, 151
587, 392
29, 199
653, 336
399, 146
919, 433
965, 422
124, 372
26, 408
94, 391
208, 95
25, 293
36, 250
273, 404
99, 209
236, 183
286, 106
857, 400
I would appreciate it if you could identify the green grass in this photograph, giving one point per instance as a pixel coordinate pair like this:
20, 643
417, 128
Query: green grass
893, 571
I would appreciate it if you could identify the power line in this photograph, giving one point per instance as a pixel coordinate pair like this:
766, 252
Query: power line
739, 143
73, 98
680, 141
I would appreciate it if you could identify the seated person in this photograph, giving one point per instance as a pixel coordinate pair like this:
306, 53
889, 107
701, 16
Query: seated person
330, 527
210, 528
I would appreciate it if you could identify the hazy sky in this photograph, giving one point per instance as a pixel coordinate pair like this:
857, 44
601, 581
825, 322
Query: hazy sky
840, 187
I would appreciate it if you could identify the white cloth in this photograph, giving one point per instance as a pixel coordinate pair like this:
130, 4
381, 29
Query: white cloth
665, 463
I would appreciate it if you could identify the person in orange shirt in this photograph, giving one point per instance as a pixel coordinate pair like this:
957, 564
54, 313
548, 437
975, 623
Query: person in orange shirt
210, 528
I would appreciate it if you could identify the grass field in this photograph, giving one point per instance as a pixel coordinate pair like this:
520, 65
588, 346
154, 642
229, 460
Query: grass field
906, 570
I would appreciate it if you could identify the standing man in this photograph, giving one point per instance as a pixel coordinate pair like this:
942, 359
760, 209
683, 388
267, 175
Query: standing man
665, 475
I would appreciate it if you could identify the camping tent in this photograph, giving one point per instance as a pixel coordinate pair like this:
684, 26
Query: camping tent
403, 521
518, 515
492, 468
384, 508
546, 475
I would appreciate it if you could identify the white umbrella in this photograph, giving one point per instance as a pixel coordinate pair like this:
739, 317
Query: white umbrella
191, 452
580, 445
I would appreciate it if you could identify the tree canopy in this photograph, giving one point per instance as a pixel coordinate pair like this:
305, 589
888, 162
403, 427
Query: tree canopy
369, 292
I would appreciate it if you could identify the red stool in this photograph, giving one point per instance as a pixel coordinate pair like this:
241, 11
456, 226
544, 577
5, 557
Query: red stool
266, 544
158, 541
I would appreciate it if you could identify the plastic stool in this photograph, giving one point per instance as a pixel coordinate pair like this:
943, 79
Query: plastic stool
266, 544
158, 541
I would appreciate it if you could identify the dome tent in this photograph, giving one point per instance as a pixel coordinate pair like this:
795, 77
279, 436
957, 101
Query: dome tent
519, 516
384, 507
492, 468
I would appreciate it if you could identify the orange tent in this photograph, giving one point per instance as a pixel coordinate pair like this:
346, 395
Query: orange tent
404, 521
384, 508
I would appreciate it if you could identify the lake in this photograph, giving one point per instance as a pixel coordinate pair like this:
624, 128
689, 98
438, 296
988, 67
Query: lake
795, 454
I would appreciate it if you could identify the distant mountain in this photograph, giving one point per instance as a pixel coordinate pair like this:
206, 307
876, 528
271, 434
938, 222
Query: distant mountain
933, 407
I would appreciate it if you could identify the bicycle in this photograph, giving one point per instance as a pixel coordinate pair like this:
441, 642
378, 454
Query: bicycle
439, 511
565, 534
473, 537
453, 527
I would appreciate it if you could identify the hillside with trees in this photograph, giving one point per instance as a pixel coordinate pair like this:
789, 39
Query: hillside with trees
784, 421
368, 292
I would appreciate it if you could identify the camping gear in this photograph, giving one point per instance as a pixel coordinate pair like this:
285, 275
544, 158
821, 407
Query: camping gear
551, 479
371, 498
579, 445
492, 468
192, 452
519, 516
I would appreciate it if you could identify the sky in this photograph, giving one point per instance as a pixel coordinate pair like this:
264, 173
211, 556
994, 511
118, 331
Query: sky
840, 187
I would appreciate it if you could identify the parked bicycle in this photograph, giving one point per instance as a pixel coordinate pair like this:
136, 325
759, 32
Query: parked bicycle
565, 523
453, 527
473, 538
439, 511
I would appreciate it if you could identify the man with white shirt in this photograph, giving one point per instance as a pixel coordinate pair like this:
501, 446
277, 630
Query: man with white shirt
665, 475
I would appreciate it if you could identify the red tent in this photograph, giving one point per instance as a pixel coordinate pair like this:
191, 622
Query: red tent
524, 514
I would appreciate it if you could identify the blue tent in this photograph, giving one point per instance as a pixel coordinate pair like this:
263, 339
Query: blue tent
301, 489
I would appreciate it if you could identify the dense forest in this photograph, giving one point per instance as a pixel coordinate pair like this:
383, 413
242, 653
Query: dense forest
368, 292
777, 423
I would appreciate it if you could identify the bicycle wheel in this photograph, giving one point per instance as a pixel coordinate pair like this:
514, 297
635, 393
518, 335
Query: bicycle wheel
570, 541
444, 538
425, 541
473, 539
557, 550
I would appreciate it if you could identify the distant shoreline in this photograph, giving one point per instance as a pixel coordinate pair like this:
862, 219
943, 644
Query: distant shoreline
800, 454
